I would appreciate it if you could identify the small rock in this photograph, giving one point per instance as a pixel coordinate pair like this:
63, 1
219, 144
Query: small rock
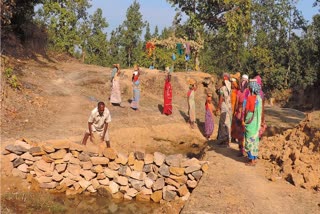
122, 158
110, 153
113, 165
197, 175
136, 184
17, 173
190, 162
47, 159
56, 176
58, 154
114, 187
68, 182
123, 181
131, 159
169, 195
36, 151
176, 171
142, 197
159, 158
157, 196
23, 168
104, 182
117, 196
84, 157
148, 159
99, 160
192, 168
63, 144
44, 179
153, 176
87, 174
95, 183
138, 175
27, 156
147, 168
132, 192
183, 190
74, 169
16, 149
172, 182
17, 162
138, 165
173, 160
48, 148
139, 155
60, 167
110, 173
101, 176
76, 147
159, 184
13, 156
98, 169
192, 184
148, 182
87, 164
67, 157
146, 191
164, 170
205, 167
50, 185
84, 184
91, 189
22, 144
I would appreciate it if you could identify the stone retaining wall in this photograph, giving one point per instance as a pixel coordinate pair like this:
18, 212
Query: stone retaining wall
73, 168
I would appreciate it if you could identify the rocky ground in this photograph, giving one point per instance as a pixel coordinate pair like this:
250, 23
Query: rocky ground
55, 100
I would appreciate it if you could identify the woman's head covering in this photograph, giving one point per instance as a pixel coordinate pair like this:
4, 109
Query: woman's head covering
226, 76
116, 65
191, 82
245, 77
235, 76
135, 67
255, 87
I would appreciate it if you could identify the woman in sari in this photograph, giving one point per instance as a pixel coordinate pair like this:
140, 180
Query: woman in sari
136, 88
209, 119
238, 116
191, 103
263, 122
224, 131
167, 95
252, 122
115, 97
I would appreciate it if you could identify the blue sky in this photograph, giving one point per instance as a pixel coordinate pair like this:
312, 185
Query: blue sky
160, 12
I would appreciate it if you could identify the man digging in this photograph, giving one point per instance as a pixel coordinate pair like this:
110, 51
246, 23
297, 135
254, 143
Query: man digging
98, 122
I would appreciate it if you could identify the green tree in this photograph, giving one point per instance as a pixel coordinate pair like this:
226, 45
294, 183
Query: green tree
147, 35
131, 32
156, 32
62, 19
97, 44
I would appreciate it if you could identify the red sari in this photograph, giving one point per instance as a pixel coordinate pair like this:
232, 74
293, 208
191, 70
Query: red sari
167, 95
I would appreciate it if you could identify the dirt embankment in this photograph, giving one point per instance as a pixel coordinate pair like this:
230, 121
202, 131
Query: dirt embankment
295, 154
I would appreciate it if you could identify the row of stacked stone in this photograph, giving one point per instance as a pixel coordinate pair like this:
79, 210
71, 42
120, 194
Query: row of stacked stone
72, 168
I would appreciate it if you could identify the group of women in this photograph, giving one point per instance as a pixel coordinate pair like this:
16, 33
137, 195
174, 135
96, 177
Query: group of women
240, 107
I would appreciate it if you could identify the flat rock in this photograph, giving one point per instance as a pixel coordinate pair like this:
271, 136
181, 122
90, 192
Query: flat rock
95, 183
87, 165
60, 167
138, 175
183, 190
74, 169
12, 156
169, 195
178, 171
101, 176
159, 184
192, 168
136, 184
153, 176
297, 179
189, 162
180, 179
36, 151
99, 160
146, 191
122, 158
205, 167
159, 158
131, 159
164, 170
23, 168
22, 144
192, 184
132, 192
173, 160
47, 159
16, 149
117, 196
142, 197
147, 168
110, 173
110, 153
17, 162
87, 174
42, 165
104, 182
74, 160
123, 181
114, 187
113, 165
91, 189
148, 159
197, 174
56, 176
186, 197
170, 181
61, 144
84, 184
138, 165
148, 182
68, 182
98, 169
58, 154
157, 196
67, 157
84, 157
48, 148
27, 156
139, 155
123, 170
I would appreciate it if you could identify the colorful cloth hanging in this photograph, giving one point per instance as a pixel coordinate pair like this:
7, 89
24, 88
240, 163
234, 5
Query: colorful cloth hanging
150, 47
187, 45
179, 48
173, 57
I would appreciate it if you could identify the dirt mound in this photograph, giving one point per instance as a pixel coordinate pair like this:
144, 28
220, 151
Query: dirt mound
295, 155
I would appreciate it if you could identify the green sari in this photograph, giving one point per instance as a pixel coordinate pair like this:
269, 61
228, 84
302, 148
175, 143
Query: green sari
252, 126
